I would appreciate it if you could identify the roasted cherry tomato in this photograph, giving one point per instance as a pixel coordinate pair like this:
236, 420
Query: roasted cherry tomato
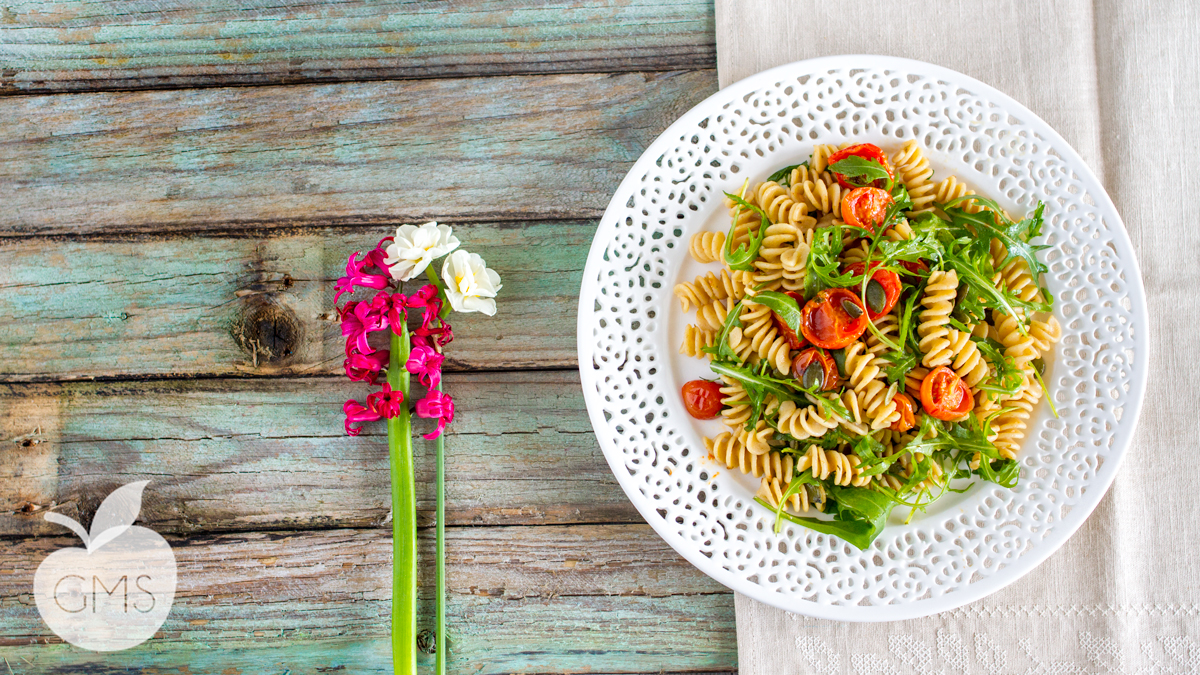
833, 319
702, 399
944, 395
908, 413
918, 268
815, 369
794, 341
883, 290
866, 151
866, 207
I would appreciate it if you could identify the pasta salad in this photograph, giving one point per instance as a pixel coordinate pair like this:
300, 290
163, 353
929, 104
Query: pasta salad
873, 335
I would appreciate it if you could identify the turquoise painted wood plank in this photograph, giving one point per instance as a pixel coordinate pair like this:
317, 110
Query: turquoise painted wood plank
480, 149
591, 599
237, 454
260, 303
79, 45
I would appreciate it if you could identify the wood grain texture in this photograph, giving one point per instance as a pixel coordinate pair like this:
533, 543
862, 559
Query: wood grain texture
260, 303
479, 149
228, 455
79, 45
611, 598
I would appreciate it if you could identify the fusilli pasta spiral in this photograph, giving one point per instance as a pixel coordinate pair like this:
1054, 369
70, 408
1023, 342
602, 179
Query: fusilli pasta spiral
765, 340
966, 361
950, 189
938, 301
695, 339
912, 169
771, 490
806, 422
707, 247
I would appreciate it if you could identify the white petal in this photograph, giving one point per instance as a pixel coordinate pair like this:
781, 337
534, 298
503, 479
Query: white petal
485, 305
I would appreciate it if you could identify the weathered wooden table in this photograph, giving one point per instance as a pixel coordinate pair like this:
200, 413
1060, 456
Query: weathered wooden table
180, 184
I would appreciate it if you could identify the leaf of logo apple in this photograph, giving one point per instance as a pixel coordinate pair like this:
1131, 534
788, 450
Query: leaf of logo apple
116, 514
69, 523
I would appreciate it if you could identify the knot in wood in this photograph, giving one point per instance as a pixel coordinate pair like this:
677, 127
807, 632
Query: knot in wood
267, 331
427, 641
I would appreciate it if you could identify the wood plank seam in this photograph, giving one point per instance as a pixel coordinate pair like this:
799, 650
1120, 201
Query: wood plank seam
82, 46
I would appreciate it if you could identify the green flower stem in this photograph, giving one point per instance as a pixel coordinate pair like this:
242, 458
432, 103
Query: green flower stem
443, 643
404, 515
433, 279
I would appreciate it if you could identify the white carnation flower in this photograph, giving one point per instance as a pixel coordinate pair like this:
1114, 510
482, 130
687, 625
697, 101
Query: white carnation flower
470, 284
415, 247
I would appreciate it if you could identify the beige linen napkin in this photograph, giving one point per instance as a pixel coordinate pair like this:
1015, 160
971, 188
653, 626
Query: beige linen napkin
1121, 82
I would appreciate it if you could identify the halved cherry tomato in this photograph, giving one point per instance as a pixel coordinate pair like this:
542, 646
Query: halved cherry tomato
815, 368
908, 413
794, 341
866, 207
833, 319
702, 399
919, 267
866, 151
883, 290
944, 395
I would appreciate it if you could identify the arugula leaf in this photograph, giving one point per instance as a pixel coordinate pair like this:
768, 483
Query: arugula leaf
785, 172
783, 389
960, 442
1003, 472
858, 533
1014, 236
743, 258
870, 454
952, 436
909, 338
784, 306
823, 262
860, 167
859, 515
976, 273
1008, 378
902, 362
721, 349
795, 485
1046, 392
923, 245
756, 388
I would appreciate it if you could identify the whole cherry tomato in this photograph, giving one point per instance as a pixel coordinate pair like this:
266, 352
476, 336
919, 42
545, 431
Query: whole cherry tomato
944, 395
815, 369
866, 207
794, 341
908, 413
833, 319
866, 151
883, 290
702, 399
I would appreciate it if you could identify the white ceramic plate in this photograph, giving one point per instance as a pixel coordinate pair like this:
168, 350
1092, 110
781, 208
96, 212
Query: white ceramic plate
630, 326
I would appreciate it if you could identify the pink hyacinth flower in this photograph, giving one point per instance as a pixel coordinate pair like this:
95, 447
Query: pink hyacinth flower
357, 412
425, 362
427, 299
391, 304
359, 319
355, 276
423, 296
436, 405
366, 367
386, 401
377, 256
